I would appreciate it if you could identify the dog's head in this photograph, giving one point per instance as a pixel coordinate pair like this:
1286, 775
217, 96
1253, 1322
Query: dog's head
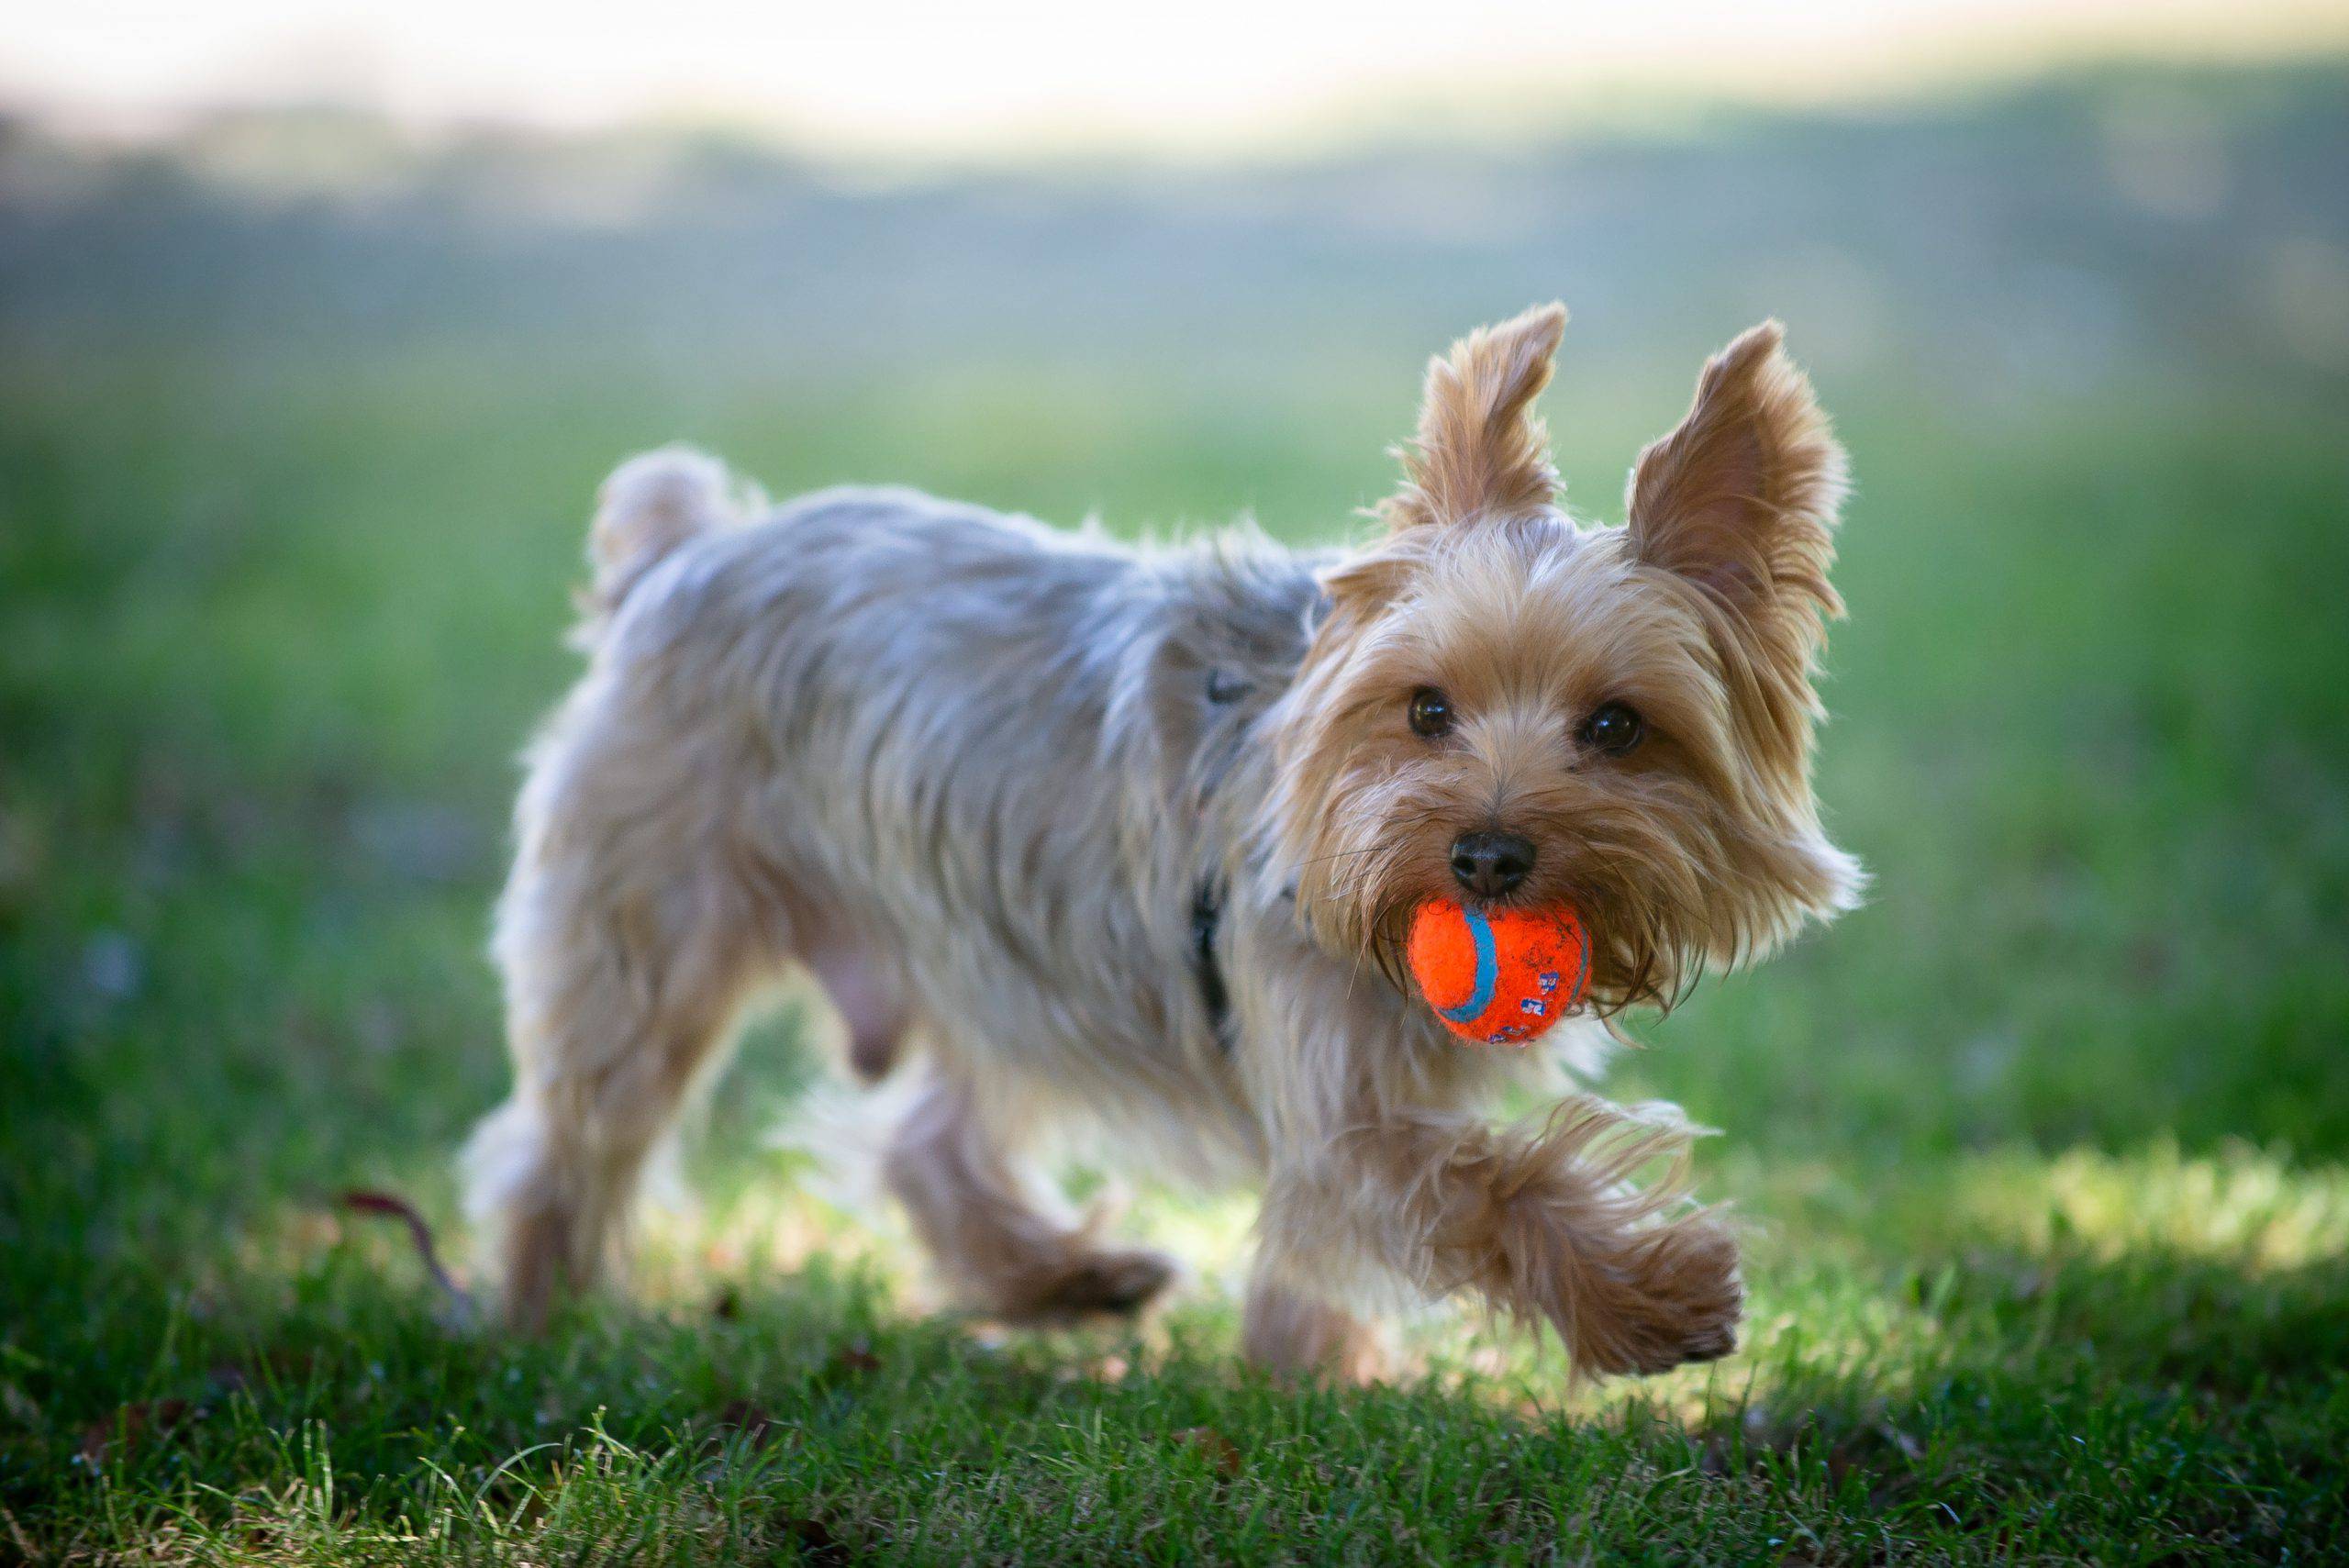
1505, 708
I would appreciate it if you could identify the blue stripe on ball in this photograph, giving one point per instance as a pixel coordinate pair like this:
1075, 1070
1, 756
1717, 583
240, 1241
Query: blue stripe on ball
1488, 969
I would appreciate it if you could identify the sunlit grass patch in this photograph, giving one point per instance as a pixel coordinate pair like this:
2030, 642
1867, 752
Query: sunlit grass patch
2252, 1210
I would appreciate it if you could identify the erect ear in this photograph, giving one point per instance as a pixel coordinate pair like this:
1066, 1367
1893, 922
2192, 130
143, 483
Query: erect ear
1740, 500
1480, 447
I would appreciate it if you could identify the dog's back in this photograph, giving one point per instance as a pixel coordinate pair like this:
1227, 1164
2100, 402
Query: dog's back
948, 761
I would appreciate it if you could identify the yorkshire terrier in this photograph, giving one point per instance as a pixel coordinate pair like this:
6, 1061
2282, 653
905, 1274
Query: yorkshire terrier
1131, 837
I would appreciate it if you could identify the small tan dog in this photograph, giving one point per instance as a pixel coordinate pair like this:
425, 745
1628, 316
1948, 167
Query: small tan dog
1132, 836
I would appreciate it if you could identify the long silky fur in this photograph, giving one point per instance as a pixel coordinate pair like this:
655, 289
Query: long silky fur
977, 778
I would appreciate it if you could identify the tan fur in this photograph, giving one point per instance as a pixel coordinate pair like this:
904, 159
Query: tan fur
1296, 1333
1480, 448
992, 1229
980, 779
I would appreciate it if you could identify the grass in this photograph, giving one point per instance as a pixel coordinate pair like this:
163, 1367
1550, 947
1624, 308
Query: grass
2041, 1152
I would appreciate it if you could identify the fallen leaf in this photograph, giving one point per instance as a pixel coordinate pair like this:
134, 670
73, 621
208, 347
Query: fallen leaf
749, 1419
1219, 1450
856, 1356
816, 1542
132, 1425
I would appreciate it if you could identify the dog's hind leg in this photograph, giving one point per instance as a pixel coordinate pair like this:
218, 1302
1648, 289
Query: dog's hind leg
628, 940
991, 1231
1294, 1333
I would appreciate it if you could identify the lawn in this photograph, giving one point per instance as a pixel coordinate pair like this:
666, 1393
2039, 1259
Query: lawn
2040, 1153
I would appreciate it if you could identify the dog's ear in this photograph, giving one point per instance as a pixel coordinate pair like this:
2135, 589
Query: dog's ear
1481, 450
1741, 501
1739, 506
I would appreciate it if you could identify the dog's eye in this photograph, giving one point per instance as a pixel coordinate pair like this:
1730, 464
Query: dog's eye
1431, 713
1613, 727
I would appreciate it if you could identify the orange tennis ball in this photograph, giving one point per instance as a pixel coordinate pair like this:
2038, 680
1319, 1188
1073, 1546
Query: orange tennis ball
1499, 976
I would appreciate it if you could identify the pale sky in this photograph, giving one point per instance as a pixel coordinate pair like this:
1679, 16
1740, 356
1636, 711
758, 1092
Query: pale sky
902, 78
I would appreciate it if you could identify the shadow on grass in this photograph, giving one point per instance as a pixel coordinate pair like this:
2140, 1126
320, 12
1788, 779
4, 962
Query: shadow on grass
2160, 1377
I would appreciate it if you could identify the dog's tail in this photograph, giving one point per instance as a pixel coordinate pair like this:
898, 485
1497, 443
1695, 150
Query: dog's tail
652, 504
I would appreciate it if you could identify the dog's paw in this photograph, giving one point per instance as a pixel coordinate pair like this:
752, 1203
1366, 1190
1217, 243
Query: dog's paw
1091, 1283
1675, 1297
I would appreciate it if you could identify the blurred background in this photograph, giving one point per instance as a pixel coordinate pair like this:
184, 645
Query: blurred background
320, 322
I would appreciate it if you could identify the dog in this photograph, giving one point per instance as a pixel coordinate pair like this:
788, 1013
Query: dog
1078, 831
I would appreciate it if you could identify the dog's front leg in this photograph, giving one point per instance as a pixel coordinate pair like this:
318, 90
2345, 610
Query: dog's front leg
1545, 1227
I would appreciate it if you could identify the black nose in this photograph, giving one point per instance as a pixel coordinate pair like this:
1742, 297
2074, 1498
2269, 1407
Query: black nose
1489, 864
